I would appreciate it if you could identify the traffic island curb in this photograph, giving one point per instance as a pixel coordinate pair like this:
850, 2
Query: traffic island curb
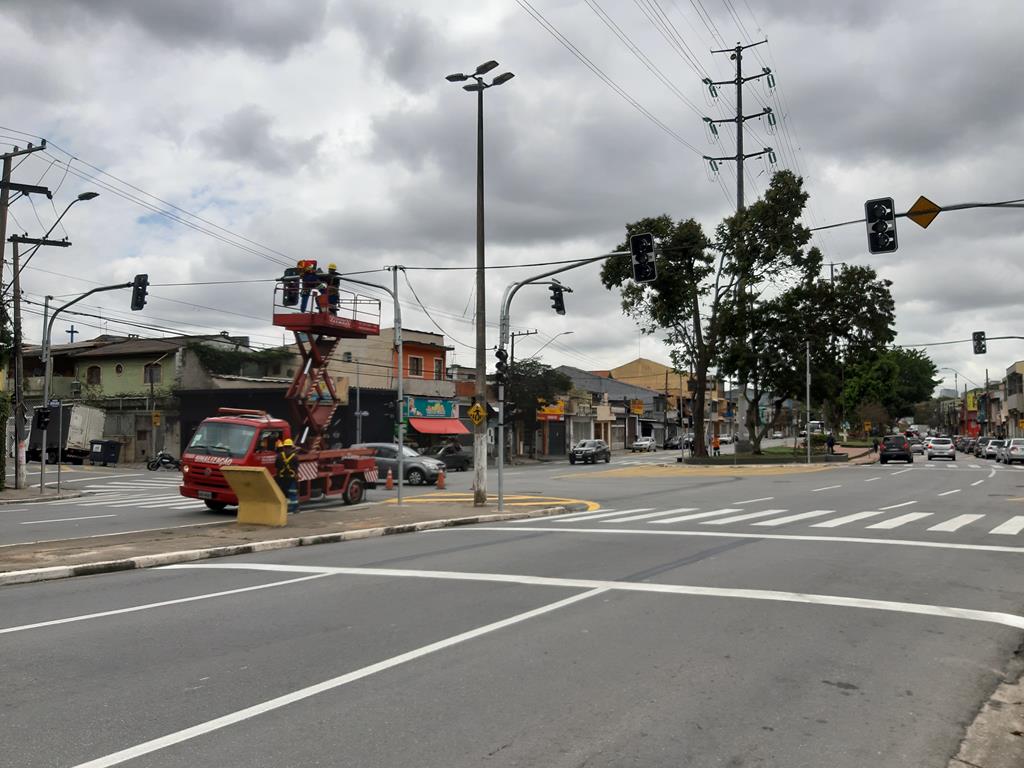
168, 558
41, 497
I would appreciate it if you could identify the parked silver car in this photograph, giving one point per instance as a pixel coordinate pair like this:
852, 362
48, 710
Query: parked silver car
1013, 450
991, 449
418, 469
939, 447
644, 444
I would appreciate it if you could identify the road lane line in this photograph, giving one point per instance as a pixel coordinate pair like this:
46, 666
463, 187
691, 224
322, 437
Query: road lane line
896, 522
741, 518
751, 501
572, 516
826, 488
974, 466
978, 482
761, 536
897, 506
1011, 527
947, 493
908, 469
698, 516
794, 518
64, 519
631, 518
956, 523
835, 523
150, 606
871, 480
992, 473
598, 515
248, 713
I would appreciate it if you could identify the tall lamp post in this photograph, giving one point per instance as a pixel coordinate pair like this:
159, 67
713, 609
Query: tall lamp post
479, 433
536, 354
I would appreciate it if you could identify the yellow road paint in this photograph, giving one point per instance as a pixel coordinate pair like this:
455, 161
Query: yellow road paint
667, 470
510, 501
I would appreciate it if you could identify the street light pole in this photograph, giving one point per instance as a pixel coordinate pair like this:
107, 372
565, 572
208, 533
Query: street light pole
480, 430
544, 346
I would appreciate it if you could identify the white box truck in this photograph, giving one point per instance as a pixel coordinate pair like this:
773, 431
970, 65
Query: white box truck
74, 426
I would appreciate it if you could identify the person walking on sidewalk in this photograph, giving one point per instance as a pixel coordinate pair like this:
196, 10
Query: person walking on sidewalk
830, 443
716, 445
287, 473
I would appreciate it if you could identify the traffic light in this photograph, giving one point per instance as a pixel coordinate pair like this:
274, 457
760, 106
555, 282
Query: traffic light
980, 345
880, 216
557, 301
501, 366
42, 419
139, 290
645, 270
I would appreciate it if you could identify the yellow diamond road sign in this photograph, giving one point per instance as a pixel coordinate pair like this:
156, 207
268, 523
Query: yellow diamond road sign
477, 414
923, 212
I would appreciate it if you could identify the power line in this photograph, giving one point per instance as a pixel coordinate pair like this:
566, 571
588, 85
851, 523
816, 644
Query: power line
431, 317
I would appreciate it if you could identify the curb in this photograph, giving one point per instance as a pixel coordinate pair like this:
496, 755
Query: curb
167, 558
37, 499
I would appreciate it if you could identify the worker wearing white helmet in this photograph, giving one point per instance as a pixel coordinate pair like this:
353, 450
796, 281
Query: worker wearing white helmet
333, 281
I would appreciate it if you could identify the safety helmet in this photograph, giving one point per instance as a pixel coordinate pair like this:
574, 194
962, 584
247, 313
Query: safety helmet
332, 267
287, 441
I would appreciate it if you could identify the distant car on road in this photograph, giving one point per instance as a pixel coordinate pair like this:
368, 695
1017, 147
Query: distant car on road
1013, 450
917, 445
777, 435
726, 439
895, 447
644, 444
979, 446
673, 443
940, 447
590, 452
991, 449
418, 469
455, 459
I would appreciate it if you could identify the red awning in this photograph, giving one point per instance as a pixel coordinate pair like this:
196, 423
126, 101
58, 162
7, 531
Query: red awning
439, 426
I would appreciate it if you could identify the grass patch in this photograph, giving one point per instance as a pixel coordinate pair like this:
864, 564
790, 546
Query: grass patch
858, 444
787, 450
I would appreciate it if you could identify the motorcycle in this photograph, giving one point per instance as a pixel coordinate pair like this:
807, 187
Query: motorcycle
163, 460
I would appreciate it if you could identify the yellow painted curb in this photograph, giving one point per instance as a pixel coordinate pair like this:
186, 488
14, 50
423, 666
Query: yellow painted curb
510, 501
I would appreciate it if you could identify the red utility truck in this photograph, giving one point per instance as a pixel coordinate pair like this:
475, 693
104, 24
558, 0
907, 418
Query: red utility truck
248, 438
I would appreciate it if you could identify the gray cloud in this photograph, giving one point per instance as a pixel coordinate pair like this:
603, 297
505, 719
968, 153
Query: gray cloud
245, 137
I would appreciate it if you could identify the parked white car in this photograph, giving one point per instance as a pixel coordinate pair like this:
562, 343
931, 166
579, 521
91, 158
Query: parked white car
1013, 450
644, 444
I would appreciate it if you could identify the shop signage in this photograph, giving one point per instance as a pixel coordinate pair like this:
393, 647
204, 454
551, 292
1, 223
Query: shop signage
427, 408
636, 407
551, 412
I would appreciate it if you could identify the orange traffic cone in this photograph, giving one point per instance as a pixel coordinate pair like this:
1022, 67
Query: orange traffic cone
389, 484
440, 479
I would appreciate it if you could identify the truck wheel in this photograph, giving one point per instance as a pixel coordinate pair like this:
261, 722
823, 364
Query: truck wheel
354, 491
215, 506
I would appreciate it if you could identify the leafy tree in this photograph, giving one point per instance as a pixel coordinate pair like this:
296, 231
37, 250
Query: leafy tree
897, 378
530, 383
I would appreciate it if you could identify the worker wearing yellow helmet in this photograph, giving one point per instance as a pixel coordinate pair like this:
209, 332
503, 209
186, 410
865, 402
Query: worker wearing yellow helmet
287, 473
333, 281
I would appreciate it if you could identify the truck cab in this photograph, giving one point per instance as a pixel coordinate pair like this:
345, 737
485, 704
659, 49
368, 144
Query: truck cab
236, 437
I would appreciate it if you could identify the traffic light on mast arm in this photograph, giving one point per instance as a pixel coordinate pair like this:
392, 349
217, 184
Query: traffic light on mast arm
139, 290
980, 345
645, 269
880, 215
557, 300
501, 365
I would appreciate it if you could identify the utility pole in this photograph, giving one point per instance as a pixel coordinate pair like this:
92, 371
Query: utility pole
511, 372
736, 54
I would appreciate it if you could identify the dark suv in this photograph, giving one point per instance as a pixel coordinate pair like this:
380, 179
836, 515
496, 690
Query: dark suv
895, 447
590, 451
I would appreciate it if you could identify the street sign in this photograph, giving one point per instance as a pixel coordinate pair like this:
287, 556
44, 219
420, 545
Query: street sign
55, 403
477, 414
867, 426
923, 212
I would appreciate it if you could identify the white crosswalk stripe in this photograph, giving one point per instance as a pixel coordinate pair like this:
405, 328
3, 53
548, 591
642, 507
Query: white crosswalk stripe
1011, 527
794, 518
698, 516
564, 518
648, 515
846, 519
741, 518
896, 522
956, 523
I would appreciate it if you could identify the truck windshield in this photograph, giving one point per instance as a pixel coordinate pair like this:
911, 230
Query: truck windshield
219, 439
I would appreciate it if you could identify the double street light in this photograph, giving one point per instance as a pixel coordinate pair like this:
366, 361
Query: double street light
479, 85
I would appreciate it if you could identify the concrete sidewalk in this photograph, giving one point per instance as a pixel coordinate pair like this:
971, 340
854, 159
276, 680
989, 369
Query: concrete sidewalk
22, 563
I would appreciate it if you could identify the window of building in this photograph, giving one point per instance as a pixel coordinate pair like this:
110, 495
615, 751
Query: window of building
415, 366
438, 368
118, 369
92, 375
152, 373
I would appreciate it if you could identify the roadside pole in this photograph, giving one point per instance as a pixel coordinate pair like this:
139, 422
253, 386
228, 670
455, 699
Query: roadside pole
807, 430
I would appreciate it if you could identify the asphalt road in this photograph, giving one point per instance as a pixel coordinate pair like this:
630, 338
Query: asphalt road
846, 617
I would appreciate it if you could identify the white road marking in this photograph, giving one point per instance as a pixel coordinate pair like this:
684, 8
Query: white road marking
572, 516
117, 533
64, 519
146, 500
762, 536
241, 715
826, 488
908, 469
794, 518
978, 482
991, 474
956, 523
974, 466
897, 506
896, 522
871, 480
597, 585
751, 501
929, 466
597, 515
947, 493
846, 519
741, 518
150, 606
81, 479
1011, 527
631, 518
698, 516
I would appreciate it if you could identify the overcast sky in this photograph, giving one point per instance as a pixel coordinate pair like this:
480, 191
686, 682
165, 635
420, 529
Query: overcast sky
325, 129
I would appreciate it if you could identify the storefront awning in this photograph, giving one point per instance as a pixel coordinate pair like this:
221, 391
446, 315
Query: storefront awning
439, 426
